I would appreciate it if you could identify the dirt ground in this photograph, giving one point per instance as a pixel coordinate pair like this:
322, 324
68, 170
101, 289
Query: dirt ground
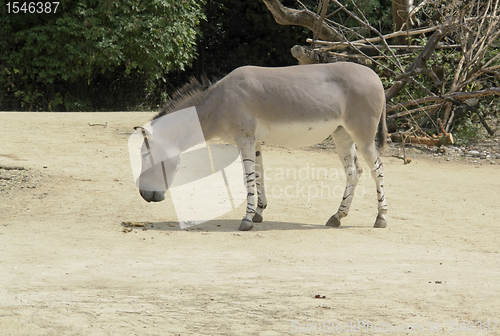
68, 266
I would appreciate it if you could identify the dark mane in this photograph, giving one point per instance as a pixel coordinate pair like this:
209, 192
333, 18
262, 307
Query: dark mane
186, 93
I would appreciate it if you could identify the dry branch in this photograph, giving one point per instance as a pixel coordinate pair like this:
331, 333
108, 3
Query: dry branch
307, 55
442, 139
422, 58
429, 109
318, 26
304, 17
364, 22
12, 168
378, 39
448, 97
344, 45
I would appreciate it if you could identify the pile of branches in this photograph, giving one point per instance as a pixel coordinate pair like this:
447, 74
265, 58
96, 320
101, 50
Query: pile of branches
441, 66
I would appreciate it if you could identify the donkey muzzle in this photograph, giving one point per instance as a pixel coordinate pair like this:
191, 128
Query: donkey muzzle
152, 196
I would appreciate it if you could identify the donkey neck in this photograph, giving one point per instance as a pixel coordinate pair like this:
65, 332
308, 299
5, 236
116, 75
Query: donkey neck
206, 108
183, 129
195, 128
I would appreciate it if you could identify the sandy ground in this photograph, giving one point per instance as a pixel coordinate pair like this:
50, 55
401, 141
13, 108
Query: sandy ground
68, 268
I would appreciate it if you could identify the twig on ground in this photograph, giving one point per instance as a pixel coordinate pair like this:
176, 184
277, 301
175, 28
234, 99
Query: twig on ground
12, 168
104, 125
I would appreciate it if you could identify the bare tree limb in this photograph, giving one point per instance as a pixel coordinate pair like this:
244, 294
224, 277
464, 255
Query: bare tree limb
449, 97
365, 23
305, 18
429, 109
475, 110
307, 55
415, 10
386, 36
318, 26
422, 58
343, 45
430, 73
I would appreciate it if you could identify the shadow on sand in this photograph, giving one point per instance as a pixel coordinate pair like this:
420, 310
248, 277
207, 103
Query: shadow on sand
230, 225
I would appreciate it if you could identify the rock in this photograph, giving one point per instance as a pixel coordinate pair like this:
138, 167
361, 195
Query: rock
473, 153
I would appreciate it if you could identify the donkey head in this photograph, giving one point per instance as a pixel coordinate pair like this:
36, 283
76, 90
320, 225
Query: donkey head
160, 162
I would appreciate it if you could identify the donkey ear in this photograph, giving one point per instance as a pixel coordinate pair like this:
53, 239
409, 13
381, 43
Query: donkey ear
143, 129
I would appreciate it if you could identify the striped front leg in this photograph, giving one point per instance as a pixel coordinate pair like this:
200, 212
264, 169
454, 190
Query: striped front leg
247, 150
259, 183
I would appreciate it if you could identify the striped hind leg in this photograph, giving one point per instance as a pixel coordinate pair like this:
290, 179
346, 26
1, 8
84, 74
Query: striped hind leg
259, 182
346, 149
247, 150
376, 165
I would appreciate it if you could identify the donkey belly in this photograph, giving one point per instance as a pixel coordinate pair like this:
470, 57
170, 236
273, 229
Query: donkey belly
296, 134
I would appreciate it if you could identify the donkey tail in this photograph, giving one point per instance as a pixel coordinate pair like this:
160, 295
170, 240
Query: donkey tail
382, 132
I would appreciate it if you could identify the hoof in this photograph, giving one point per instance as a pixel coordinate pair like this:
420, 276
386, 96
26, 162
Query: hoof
333, 221
380, 223
257, 218
246, 225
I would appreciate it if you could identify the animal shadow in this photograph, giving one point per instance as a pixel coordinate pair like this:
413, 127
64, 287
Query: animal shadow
227, 225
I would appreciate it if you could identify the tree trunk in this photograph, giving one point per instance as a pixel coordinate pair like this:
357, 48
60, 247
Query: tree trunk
400, 18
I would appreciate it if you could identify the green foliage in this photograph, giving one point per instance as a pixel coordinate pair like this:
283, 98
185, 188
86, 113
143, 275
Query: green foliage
468, 130
92, 47
118, 55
